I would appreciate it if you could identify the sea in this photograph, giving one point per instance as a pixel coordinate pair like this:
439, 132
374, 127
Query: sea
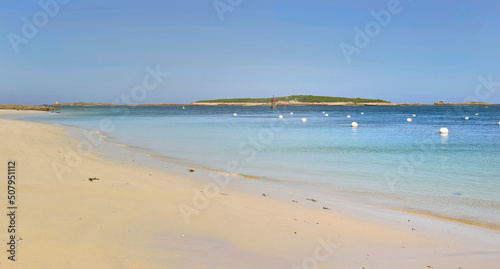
395, 157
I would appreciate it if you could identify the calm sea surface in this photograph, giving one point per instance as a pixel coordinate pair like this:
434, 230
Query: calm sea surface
386, 158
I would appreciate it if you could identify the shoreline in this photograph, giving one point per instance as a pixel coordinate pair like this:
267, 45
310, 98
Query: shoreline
349, 196
27, 108
250, 104
468, 222
241, 221
313, 192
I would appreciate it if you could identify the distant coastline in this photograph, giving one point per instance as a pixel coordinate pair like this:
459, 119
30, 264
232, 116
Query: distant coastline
28, 107
293, 100
281, 103
311, 100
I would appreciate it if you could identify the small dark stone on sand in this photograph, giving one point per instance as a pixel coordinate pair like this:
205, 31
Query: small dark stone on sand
295, 201
93, 178
326, 208
311, 199
264, 194
191, 170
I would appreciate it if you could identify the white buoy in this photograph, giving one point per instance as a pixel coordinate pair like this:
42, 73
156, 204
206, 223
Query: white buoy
414, 115
354, 124
323, 112
304, 119
443, 131
362, 113
467, 118
291, 113
408, 119
280, 116
348, 116
499, 123
477, 114
235, 114
326, 115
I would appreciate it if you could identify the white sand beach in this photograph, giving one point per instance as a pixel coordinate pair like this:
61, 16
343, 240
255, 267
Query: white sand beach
131, 218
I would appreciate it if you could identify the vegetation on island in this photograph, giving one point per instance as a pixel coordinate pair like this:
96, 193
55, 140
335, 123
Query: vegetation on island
297, 98
28, 107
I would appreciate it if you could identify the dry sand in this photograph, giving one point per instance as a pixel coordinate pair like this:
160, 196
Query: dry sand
130, 218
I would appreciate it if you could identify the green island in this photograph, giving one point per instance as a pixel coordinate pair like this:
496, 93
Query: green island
297, 98
292, 100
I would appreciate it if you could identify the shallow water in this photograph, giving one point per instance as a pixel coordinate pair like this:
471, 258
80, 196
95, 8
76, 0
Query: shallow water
388, 160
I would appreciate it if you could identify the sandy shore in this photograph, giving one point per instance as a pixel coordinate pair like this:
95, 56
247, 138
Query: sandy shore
131, 218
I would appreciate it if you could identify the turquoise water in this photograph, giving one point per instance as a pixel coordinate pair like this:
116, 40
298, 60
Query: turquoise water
387, 160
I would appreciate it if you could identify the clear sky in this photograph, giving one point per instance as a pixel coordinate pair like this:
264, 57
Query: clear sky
98, 50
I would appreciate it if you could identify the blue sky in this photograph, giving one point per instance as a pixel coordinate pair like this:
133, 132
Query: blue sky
96, 51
